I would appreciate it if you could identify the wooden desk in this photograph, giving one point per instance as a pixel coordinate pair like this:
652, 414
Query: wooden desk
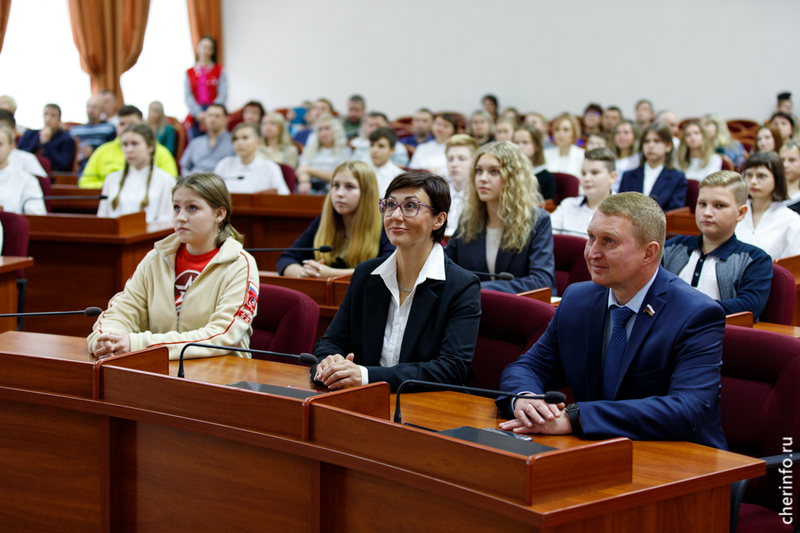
123, 446
86, 207
82, 261
8, 288
682, 223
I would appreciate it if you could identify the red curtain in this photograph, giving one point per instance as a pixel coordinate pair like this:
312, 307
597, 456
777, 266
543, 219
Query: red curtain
205, 18
109, 35
5, 7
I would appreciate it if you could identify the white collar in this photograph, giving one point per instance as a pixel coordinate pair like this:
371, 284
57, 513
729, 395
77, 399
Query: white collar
432, 269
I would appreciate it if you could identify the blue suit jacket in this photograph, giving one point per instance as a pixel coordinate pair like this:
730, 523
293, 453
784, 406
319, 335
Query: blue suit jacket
669, 381
669, 189
532, 268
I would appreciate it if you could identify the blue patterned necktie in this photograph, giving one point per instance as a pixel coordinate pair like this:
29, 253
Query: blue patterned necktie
616, 349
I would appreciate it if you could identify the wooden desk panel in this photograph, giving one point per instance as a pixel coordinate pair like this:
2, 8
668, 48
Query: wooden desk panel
8, 288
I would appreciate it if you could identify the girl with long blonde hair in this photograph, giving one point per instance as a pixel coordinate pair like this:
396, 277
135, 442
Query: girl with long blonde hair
350, 224
696, 157
502, 229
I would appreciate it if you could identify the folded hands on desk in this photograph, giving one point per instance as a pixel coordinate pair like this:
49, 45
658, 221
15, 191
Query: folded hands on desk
337, 372
536, 416
111, 343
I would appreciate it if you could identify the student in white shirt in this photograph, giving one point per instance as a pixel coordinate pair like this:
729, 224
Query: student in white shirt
430, 155
790, 157
20, 158
19, 190
245, 172
459, 149
598, 174
140, 186
625, 138
695, 156
361, 144
768, 224
325, 149
565, 157
382, 142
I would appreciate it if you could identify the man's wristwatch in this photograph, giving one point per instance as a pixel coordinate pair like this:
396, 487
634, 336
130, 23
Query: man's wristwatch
574, 413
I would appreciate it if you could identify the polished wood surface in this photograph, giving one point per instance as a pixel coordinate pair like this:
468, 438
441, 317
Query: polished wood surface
682, 222
543, 294
82, 261
63, 188
8, 288
792, 331
155, 453
744, 319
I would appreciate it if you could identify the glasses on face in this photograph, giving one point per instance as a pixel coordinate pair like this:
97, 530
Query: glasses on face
409, 208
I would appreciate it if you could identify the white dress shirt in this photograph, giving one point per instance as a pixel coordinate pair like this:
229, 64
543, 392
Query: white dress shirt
571, 164
259, 175
16, 186
431, 156
650, 177
385, 175
707, 283
456, 206
571, 217
778, 231
696, 172
397, 318
27, 162
159, 194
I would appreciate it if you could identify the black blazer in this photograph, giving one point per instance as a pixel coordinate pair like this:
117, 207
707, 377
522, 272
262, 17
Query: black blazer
547, 184
669, 189
439, 339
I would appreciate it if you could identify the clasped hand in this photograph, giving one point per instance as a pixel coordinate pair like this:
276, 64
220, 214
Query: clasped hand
337, 372
111, 343
536, 416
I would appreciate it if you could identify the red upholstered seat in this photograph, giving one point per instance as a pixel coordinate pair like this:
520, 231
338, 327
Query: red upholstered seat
760, 402
567, 186
289, 176
570, 263
782, 292
692, 192
15, 243
509, 326
286, 322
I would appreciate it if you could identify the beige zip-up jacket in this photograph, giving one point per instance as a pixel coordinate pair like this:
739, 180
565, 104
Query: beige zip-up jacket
218, 308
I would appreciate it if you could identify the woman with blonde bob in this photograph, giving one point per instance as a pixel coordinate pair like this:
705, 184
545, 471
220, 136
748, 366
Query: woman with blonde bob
721, 139
565, 156
350, 224
502, 228
695, 156
278, 145
324, 150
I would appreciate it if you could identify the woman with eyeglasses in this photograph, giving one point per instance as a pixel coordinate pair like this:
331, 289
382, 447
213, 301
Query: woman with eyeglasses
501, 228
413, 315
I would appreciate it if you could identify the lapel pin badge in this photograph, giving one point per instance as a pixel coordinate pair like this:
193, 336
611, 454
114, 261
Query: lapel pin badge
649, 310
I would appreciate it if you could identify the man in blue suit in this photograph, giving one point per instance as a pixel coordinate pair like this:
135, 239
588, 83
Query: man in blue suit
640, 348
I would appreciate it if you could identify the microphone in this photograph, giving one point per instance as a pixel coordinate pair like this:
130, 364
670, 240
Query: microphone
89, 311
94, 197
304, 358
502, 276
324, 249
548, 397
234, 178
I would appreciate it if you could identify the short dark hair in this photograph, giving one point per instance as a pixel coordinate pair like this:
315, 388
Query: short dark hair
128, 110
614, 108
221, 106
383, 133
773, 163
55, 108
434, 186
359, 99
214, 53
8, 116
452, 118
787, 116
425, 110
491, 97
604, 155
593, 107
255, 103
378, 114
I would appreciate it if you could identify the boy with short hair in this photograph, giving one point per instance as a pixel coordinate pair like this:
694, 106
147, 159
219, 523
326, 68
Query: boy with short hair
598, 173
736, 274
381, 149
596, 140
459, 149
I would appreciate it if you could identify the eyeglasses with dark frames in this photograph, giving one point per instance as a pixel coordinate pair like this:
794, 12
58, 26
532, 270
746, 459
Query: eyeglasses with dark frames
409, 208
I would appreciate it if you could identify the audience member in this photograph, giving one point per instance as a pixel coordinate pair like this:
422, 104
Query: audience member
504, 129
361, 145
20, 158
319, 108
510, 113
490, 105
204, 152
421, 126
278, 145
611, 117
640, 349
768, 139
459, 149
673, 123
598, 174
529, 140
592, 118
539, 121
252, 113
625, 138
644, 113
595, 140
717, 130
784, 104
696, 157
110, 157
356, 109
768, 223
481, 127
501, 227
565, 156
140, 186
110, 107
51, 141
656, 177
350, 224
784, 123
94, 133
382, 143
246, 173
736, 274
165, 133
206, 83
431, 155
323, 153
19, 190
790, 157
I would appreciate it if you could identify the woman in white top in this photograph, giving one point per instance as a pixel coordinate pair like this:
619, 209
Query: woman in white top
431, 155
768, 224
573, 215
459, 149
695, 156
625, 138
278, 145
19, 189
790, 157
140, 186
246, 173
565, 157
324, 150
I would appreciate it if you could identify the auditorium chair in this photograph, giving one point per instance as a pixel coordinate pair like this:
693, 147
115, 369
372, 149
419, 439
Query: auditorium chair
181, 140
15, 243
760, 402
727, 164
509, 327
286, 321
692, 192
567, 186
47, 166
44, 184
782, 293
289, 176
569, 261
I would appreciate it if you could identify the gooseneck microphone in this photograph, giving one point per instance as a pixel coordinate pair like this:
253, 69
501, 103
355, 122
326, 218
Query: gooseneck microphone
304, 358
323, 249
548, 397
89, 311
502, 276
93, 197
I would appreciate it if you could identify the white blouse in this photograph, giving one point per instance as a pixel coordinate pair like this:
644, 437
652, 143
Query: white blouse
778, 231
571, 217
696, 172
18, 189
259, 175
566, 165
159, 194
431, 156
